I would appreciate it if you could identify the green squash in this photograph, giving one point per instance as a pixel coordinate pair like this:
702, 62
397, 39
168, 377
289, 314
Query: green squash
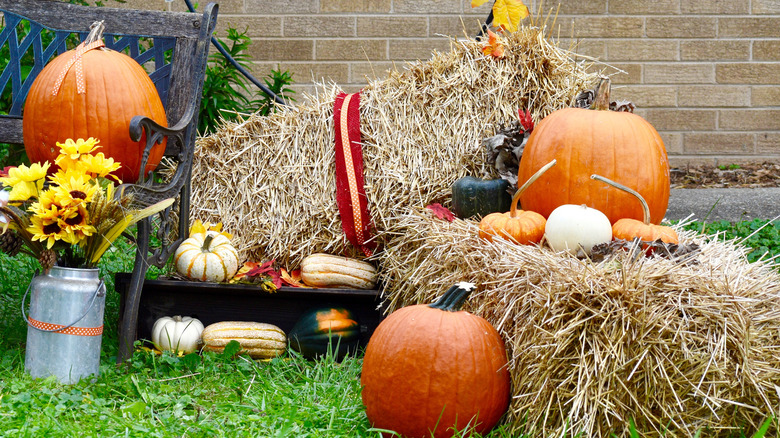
477, 197
319, 329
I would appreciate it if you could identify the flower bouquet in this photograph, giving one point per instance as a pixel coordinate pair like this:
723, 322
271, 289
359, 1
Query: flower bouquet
71, 217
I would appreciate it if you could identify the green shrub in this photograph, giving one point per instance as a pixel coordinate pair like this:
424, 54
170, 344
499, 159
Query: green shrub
227, 93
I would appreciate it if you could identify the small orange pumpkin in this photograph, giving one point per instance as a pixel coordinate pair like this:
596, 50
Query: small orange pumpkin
628, 229
521, 227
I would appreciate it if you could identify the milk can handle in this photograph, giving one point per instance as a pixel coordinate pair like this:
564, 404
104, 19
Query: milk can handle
91, 303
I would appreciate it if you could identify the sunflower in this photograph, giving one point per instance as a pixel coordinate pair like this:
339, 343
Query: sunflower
72, 152
72, 187
46, 207
25, 182
46, 230
75, 224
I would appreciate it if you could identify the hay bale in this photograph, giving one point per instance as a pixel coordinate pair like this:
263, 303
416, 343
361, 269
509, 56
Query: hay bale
592, 346
270, 180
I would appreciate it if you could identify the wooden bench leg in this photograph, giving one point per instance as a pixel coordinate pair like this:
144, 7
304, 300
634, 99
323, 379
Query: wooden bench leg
128, 324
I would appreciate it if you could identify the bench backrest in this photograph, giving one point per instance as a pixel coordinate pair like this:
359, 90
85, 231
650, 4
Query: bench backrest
169, 45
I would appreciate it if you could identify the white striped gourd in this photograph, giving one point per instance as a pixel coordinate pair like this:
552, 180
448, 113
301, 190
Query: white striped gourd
259, 340
207, 256
325, 270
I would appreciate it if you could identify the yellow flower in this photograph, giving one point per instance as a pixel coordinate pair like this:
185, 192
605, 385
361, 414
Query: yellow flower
75, 224
71, 152
74, 149
46, 230
24, 191
72, 187
47, 207
22, 173
199, 227
99, 166
25, 182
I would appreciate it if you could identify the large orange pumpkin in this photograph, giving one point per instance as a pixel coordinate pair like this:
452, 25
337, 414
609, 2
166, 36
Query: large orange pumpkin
431, 369
114, 89
621, 146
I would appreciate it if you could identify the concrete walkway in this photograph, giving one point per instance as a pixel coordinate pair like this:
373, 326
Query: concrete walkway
724, 204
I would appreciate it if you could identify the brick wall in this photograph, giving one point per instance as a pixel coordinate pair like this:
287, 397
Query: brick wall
705, 73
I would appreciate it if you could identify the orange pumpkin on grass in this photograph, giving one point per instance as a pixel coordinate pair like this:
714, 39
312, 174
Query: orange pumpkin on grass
431, 368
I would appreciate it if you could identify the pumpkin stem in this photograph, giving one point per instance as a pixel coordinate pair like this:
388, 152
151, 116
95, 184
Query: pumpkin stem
95, 32
601, 101
531, 180
207, 242
645, 207
453, 299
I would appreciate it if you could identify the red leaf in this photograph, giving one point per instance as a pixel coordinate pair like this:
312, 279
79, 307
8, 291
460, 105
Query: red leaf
526, 120
441, 212
276, 278
264, 269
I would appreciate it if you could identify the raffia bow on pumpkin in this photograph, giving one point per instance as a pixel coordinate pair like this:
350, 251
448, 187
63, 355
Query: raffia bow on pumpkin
92, 42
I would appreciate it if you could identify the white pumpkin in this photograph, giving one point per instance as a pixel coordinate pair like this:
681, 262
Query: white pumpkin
177, 334
208, 256
576, 229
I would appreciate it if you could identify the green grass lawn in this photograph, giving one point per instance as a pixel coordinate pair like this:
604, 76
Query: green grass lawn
203, 395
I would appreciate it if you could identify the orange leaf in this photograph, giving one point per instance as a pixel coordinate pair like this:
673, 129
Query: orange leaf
292, 278
494, 47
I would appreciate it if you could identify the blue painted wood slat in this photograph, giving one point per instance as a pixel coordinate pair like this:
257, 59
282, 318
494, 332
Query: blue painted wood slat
9, 37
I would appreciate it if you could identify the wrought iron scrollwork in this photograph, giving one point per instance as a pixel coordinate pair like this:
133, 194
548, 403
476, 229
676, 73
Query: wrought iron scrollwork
149, 190
165, 227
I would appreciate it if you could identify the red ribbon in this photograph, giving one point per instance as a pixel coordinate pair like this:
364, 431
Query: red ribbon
350, 184
76, 60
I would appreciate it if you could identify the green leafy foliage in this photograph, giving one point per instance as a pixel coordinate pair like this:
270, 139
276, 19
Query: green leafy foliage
277, 82
226, 91
763, 236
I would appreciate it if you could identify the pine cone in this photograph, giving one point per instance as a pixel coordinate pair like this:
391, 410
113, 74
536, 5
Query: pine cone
48, 258
11, 242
